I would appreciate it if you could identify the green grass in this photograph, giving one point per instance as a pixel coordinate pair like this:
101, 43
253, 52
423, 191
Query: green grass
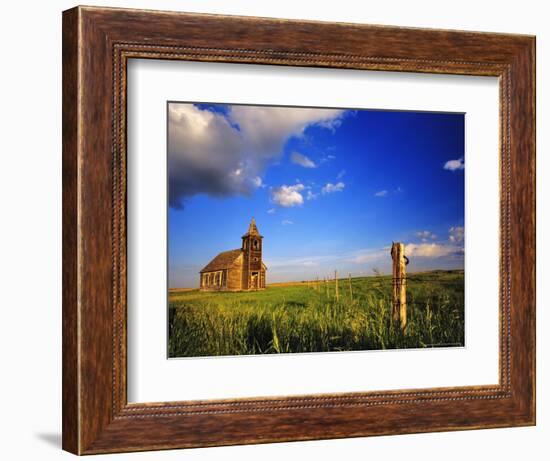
299, 318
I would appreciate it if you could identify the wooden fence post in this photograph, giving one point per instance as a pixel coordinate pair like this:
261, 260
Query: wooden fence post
399, 285
350, 289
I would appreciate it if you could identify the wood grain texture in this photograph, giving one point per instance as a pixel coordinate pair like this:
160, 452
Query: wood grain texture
97, 43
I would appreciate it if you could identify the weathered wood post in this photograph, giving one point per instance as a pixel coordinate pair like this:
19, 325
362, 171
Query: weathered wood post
399, 285
336, 284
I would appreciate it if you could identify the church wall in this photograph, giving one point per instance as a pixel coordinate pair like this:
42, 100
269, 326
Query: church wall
213, 281
234, 275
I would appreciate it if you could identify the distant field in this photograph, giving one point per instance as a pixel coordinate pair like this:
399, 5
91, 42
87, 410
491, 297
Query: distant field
301, 318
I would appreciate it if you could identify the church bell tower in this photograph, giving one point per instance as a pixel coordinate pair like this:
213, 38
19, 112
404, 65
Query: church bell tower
252, 258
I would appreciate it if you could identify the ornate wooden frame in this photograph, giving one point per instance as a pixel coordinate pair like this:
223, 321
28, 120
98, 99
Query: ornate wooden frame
97, 43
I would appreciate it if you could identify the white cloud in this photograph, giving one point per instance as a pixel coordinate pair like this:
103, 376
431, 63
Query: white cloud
302, 160
286, 222
381, 193
271, 210
426, 235
431, 250
341, 174
311, 196
265, 129
456, 234
331, 124
288, 196
329, 188
328, 158
226, 154
454, 165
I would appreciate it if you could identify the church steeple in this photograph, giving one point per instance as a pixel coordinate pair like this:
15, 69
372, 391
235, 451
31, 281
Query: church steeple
252, 229
252, 258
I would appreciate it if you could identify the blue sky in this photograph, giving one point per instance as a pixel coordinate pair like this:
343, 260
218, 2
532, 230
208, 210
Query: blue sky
330, 189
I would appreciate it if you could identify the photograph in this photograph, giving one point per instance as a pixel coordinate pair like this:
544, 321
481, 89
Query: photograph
313, 229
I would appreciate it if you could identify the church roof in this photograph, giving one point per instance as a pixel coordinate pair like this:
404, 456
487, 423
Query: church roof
252, 229
223, 261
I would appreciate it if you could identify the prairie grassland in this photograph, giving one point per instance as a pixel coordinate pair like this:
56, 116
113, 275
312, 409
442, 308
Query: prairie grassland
302, 318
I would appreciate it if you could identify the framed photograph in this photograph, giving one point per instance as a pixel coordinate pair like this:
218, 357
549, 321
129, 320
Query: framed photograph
281, 230
306, 283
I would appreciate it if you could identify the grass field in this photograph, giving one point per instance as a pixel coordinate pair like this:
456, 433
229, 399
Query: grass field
301, 318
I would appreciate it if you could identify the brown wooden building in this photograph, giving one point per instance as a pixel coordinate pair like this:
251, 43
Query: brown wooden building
237, 270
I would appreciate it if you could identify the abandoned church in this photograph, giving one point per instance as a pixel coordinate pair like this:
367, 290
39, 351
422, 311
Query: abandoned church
237, 270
